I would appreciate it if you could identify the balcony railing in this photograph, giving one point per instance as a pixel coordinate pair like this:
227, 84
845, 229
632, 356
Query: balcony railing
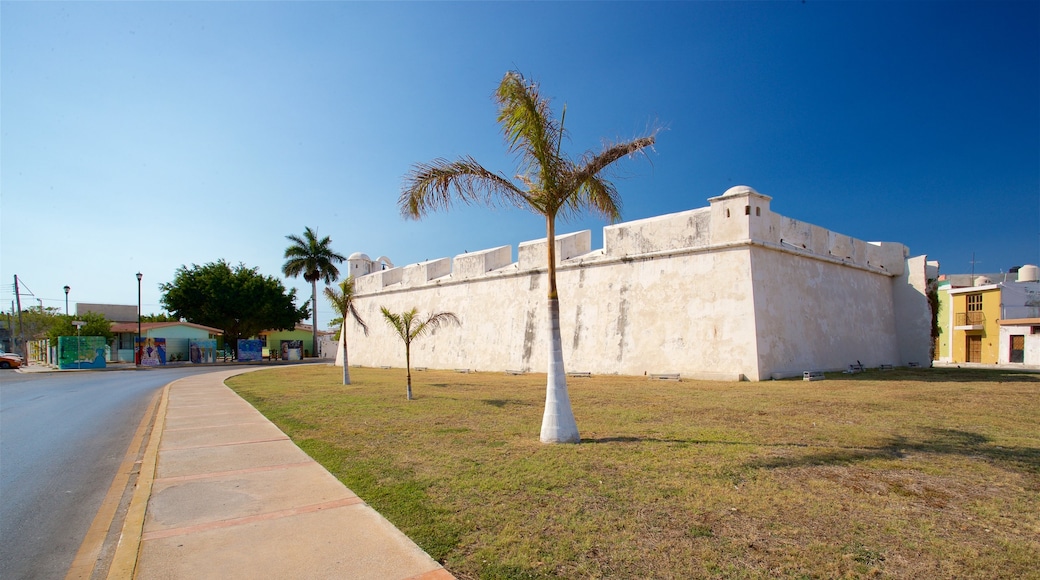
975, 318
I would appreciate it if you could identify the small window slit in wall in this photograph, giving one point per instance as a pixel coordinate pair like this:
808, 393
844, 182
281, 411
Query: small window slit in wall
758, 211
727, 212
747, 210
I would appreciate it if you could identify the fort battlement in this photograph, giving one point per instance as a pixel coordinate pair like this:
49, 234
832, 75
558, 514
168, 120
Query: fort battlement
728, 291
741, 216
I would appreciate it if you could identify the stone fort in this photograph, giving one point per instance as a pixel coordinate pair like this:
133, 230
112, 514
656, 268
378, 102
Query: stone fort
731, 291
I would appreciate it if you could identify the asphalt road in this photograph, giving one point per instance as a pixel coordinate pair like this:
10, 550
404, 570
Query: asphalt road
62, 439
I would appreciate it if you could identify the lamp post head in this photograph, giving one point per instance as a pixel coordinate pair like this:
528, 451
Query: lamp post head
67, 290
139, 276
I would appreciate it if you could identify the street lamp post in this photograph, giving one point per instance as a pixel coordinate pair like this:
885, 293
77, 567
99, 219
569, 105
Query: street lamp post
67, 299
137, 359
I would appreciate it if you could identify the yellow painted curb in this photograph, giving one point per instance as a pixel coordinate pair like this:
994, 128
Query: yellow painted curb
85, 561
124, 563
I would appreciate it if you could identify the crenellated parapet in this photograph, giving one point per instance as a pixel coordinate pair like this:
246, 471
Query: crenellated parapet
739, 217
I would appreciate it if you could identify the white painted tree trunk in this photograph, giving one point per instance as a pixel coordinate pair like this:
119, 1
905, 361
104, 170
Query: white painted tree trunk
558, 424
314, 319
343, 349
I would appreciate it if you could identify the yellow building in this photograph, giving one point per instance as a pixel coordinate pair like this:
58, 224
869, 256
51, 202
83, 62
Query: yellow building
975, 312
971, 319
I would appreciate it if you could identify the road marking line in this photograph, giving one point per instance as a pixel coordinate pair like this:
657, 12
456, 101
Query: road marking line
160, 534
85, 560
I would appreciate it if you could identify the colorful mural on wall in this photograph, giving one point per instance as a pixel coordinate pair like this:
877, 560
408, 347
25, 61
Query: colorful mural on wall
202, 351
81, 352
250, 350
292, 350
151, 352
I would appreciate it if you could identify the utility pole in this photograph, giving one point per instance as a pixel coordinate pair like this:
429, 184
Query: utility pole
19, 342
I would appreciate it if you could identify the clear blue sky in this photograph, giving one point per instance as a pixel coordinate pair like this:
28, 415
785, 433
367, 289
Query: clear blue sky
140, 136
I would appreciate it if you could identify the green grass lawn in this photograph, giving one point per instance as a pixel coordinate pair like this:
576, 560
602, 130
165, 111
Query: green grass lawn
923, 473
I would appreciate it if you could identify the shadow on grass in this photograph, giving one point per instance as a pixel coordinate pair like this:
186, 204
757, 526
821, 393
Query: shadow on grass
941, 375
503, 402
623, 439
942, 441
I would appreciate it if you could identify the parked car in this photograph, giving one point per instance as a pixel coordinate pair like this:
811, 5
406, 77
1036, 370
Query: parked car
10, 360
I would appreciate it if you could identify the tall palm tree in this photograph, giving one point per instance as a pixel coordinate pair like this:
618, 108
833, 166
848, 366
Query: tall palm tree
409, 327
551, 184
343, 302
316, 261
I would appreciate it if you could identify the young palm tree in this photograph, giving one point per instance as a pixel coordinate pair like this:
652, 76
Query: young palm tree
316, 261
552, 184
343, 302
409, 327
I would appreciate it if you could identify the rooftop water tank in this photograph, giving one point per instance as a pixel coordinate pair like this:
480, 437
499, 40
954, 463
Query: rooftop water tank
1028, 273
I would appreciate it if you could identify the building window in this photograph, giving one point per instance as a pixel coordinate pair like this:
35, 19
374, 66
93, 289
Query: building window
974, 302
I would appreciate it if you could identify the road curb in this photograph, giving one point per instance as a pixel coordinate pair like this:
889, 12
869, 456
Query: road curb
124, 562
86, 559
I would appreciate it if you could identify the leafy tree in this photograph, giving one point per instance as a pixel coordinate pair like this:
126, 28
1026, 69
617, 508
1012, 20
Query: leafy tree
240, 301
551, 184
409, 327
315, 260
36, 323
161, 317
343, 302
96, 325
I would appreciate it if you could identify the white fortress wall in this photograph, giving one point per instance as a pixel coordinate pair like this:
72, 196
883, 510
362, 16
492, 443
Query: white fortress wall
609, 324
728, 291
819, 315
912, 313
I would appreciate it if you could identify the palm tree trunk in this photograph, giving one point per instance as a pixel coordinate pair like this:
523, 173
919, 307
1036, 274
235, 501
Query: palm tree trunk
558, 424
314, 312
408, 367
343, 342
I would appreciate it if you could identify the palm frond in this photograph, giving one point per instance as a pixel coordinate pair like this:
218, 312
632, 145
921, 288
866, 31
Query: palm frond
433, 322
343, 301
598, 195
401, 323
592, 164
311, 257
529, 128
357, 318
436, 185
585, 187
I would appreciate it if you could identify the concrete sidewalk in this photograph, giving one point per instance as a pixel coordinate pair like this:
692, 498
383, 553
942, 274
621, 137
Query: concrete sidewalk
233, 497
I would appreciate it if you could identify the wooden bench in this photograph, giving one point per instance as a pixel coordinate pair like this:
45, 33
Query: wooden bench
464, 371
580, 374
885, 368
856, 368
913, 365
511, 372
812, 376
